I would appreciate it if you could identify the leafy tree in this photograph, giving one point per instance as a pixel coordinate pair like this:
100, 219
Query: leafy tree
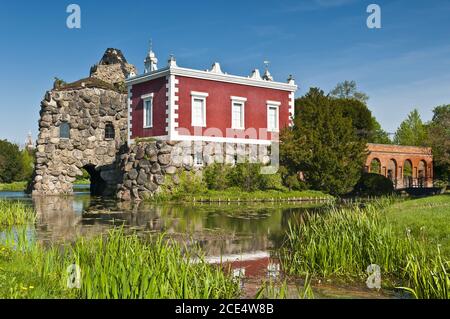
353, 104
378, 135
348, 90
358, 112
10, 162
27, 164
323, 145
412, 131
438, 137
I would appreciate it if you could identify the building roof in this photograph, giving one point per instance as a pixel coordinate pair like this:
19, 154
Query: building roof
215, 74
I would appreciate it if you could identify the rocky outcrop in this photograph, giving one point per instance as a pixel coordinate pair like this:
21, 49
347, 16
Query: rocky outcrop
113, 67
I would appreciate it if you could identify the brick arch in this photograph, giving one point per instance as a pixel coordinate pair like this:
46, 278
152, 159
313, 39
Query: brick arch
375, 159
389, 154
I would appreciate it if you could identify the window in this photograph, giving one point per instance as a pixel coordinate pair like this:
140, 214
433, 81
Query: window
199, 109
148, 113
64, 130
109, 131
272, 116
237, 112
198, 159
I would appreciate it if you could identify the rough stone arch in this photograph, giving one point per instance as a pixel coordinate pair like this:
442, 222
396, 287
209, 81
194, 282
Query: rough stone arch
87, 106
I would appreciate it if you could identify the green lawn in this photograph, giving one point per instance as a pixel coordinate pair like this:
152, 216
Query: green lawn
426, 218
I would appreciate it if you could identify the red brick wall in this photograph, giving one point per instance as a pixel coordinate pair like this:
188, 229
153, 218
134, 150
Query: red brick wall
158, 87
400, 154
218, 104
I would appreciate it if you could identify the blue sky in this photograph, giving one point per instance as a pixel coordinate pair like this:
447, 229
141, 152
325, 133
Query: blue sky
403, 65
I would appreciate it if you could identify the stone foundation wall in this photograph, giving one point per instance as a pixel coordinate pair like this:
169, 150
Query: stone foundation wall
59, 160
147, 166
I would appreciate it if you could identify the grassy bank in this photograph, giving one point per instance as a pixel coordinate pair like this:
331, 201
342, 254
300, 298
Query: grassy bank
21, 186
427, 219
235, 194
13, 187
15, 213
344, 242
114, 266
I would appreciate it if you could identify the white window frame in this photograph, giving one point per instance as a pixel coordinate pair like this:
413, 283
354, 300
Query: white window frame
275, 105
198, 96
198, 159
241, 101
147, 98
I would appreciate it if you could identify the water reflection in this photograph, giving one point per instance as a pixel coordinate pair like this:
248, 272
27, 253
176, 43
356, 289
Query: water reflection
219, 229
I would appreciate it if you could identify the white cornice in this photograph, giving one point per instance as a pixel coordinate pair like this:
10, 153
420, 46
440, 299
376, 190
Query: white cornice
211, 76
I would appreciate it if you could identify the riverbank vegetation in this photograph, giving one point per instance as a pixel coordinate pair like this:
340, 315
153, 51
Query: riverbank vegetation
112, 266
345, 241
14, 213
242, 182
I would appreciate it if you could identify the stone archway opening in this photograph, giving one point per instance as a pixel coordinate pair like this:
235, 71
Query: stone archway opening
98, 184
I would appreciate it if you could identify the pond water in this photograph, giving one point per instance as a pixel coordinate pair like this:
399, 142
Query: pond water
243, 235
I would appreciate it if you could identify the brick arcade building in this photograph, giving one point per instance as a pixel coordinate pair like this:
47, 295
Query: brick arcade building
406, 166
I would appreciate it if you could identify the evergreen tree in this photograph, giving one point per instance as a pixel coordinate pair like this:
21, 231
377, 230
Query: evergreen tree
412, 131
438, 138
348, 90
323, 145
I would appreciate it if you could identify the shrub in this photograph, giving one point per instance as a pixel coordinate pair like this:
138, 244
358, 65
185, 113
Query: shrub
371, 184
248, 177
216, 176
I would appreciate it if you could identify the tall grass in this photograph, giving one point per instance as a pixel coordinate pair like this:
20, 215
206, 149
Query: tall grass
124, 267
13, 213
344, 242
113, 266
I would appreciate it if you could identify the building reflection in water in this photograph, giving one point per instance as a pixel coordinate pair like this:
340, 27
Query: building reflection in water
218, 230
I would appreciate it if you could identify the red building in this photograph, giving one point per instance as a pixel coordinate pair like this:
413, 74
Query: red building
181, 104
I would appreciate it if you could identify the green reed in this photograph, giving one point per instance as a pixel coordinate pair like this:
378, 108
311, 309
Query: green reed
13, 213
113, 266
273, 289
344, 242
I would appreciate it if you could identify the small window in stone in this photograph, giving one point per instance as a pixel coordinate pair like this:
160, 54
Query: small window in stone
198, 159
64, 130
109, 131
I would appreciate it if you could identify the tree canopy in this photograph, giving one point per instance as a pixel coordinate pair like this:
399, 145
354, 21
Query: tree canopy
323, 145
411, 131
10, 162
348, 90
353, 104
438, 138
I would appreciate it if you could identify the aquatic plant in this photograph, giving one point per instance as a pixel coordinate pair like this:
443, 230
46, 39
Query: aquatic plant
345, 241
13, 213
113, 266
